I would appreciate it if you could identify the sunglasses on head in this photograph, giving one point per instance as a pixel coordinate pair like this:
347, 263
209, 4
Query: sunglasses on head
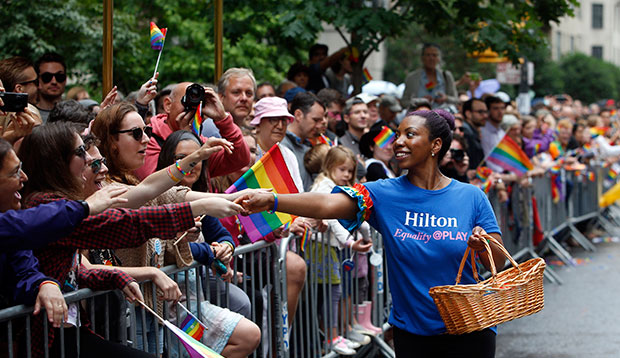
138, 132
46, 77
80, 151
34, 82
96, 165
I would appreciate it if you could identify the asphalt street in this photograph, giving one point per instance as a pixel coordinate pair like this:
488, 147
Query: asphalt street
581, 318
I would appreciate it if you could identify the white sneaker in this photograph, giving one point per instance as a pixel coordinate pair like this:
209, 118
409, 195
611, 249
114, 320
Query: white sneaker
351, 344
339, 346
358, 337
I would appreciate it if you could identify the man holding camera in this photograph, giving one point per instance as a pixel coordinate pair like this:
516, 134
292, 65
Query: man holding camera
20, 81
179, 110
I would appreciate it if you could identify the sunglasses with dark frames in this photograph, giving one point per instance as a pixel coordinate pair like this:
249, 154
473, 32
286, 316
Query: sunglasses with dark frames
138, 132
34, 82
46, 77
461, 129
96, 165
80, 151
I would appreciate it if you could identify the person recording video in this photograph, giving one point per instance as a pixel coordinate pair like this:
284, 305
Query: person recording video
455, 163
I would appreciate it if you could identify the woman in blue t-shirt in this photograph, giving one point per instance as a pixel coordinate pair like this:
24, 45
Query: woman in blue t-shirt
426, 220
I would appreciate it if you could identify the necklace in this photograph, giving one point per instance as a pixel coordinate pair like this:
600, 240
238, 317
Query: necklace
438, 183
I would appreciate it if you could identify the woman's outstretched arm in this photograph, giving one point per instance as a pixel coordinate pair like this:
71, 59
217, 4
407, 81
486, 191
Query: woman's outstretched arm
311, 205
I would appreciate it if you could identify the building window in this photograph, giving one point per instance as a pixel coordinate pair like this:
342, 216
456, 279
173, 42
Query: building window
597, 51
572, 44
597, 16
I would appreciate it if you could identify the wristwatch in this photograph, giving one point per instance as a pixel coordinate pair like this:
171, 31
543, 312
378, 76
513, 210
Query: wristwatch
86, 207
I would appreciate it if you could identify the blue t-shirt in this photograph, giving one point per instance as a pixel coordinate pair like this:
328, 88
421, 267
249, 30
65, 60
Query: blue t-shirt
425, 235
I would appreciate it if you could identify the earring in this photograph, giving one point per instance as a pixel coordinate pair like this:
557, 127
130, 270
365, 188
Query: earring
432, 154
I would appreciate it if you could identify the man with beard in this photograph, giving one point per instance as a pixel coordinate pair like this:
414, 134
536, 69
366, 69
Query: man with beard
52, 73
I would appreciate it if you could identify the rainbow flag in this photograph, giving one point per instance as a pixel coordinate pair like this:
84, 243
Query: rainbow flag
597, 131
483, 173
612, 174
157, 37
591, 176
367, 76
322, 139
268, 172
430, 85
192, 326
508, 155
385, 137
197, 122
304, 238
555, 149
194, 348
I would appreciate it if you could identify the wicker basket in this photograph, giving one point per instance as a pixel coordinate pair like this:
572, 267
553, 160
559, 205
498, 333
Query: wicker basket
510, 294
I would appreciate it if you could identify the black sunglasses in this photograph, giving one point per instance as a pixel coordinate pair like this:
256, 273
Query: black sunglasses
47, 77
35, 81
96, 165
80, 151
138, 132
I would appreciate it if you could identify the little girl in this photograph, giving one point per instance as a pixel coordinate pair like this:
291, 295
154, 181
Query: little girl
339, 168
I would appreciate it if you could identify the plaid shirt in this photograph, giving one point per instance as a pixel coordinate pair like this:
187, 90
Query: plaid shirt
111, 229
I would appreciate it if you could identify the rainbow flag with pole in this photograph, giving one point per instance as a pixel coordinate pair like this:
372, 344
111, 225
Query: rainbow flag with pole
304, 238
367, 76
194, 348
322, 139
270, 171
157, 37
508, 155
191, 325
385, 137
197, 121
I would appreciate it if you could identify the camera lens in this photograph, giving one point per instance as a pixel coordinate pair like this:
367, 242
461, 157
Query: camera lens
194, 94
458, 155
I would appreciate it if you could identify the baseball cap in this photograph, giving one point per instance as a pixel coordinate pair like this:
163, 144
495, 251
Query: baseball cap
366, 97
290, 94
391, 102
270, 107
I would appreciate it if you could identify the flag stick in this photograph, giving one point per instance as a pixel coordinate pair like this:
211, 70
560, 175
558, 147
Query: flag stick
185, 233
159, 56
150, 310
191, 315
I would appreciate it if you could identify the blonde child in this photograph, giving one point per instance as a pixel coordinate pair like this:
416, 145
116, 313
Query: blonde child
339, 168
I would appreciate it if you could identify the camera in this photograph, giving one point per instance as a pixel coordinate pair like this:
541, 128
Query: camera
458, 155
194, 94
14, 102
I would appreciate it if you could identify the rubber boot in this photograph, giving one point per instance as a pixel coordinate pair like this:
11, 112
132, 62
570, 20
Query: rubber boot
365, 320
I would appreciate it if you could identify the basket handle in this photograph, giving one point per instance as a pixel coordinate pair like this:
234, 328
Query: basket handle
488, 238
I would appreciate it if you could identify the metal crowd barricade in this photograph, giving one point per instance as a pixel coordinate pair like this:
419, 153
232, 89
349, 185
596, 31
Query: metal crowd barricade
258, 261
310, 334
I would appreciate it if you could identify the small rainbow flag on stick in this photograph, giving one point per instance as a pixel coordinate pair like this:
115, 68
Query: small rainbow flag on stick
269, 172
191, 325
612, 174
158, 39
508, 155
197, 122
194, 348
367, 76
322, 139
304, 238
385, 137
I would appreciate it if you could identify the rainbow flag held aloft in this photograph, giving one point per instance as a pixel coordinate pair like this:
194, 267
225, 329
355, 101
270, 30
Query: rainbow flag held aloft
158, 36
367, 76
508, 155
385, 137
197, 121
597, 131
304, 238
270, 171
192, 326
194, 348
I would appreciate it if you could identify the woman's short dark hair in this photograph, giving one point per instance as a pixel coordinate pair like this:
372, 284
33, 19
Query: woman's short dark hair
5, 149
430, 44
166, 156
46, 155
440, 124
296, 68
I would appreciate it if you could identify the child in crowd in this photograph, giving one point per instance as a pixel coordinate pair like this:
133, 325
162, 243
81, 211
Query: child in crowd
338, 168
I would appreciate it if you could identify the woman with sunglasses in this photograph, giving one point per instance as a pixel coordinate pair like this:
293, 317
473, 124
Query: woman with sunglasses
124, 138
57, 172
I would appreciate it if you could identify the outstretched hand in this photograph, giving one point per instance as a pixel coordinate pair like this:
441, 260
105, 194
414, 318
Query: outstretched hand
147, 91
110, 98
257, 201
106, 198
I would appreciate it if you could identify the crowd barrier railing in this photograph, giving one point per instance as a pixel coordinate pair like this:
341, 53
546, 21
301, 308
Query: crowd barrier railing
264, 280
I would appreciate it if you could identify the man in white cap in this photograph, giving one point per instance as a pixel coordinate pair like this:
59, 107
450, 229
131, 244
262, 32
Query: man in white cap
373, 111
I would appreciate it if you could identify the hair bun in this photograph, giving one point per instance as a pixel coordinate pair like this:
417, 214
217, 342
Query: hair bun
447, 116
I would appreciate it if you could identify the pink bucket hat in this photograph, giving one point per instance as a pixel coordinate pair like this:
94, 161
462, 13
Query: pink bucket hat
270, 107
